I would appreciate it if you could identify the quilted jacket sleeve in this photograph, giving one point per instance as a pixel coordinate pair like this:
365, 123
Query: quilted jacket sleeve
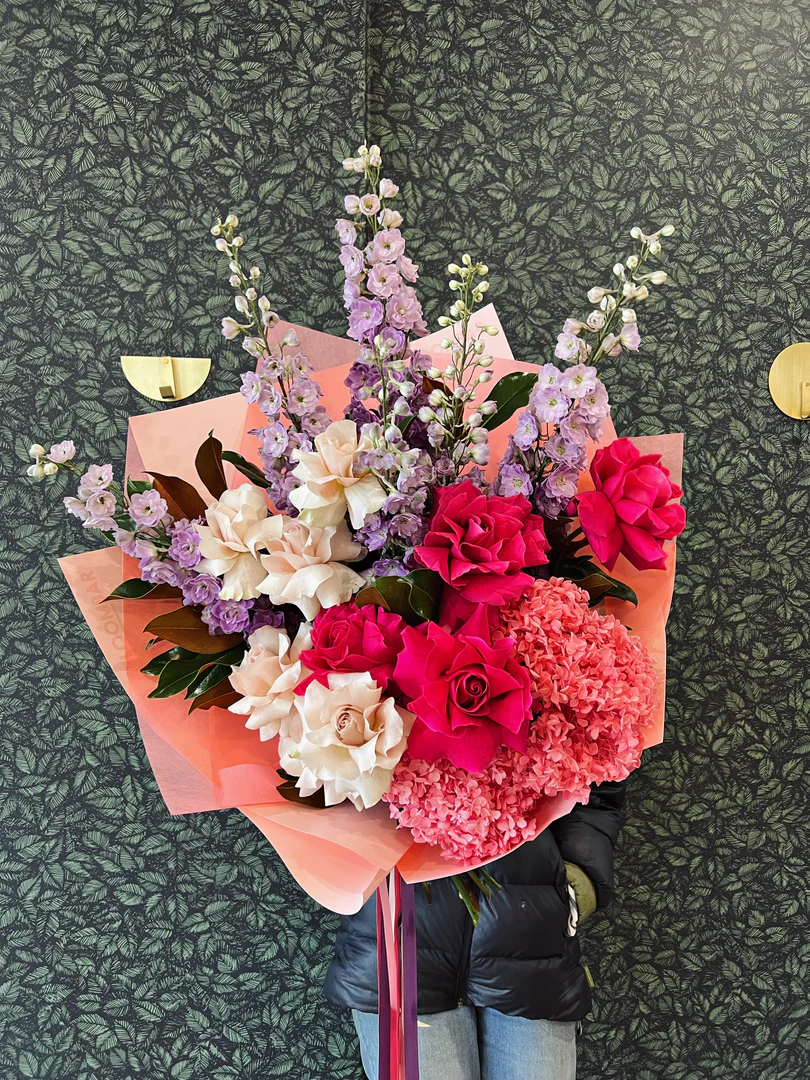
587, 835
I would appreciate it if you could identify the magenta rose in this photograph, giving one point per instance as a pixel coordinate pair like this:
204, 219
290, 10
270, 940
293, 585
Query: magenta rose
480, 546
630, 512
351, 638
469, 694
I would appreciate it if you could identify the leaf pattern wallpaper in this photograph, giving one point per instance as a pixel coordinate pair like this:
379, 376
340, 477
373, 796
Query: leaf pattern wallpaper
533, 134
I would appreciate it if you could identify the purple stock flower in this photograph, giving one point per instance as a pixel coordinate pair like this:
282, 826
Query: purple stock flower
134, 544
526, 431
302, 396
389, 568
548, 405
574, 428
578, 381
364, 317
384, 280
147, 508
100, 509
562, 483
199, 589
374, 533
97, 477
161, 571
263, 613
404, 312
185, 544
227, 616
393, 340
388, 246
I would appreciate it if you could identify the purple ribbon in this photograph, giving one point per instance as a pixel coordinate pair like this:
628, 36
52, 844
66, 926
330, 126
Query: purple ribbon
409, 1000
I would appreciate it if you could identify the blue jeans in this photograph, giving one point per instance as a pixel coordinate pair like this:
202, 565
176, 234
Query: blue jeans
481, 1044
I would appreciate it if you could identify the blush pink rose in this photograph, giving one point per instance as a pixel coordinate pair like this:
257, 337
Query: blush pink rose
630, 512
469, 694
350, 638
481, 546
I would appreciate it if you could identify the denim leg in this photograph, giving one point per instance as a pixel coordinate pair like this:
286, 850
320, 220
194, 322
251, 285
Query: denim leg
448, 1045
513, 1048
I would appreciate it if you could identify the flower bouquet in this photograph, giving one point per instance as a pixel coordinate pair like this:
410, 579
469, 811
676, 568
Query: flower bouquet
376, 609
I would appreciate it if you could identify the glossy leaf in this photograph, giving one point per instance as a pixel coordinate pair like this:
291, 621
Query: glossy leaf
246, 468
183, 500
510, 394
137, 589
208, 464
185, 627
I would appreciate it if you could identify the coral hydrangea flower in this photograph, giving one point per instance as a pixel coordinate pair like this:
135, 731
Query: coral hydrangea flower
593, 690
469, 694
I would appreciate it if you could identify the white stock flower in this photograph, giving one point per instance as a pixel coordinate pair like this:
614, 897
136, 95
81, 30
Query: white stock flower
228, 542
304, 564
328, 485
349, 742
267, 677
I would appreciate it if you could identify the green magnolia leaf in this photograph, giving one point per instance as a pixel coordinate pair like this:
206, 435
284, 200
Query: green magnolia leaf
137, 487
189, 672
136, 589
290, 792
595, 581
255, 475
182, 498
154, 667
510, 394
414, 596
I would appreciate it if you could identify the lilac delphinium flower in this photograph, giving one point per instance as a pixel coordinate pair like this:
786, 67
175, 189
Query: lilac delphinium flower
100, 505
138, 544
147, 508
513, 480
161, 571
200, 589
548, 405
364, 318
185, 544
562, 483
227, 616
526, 431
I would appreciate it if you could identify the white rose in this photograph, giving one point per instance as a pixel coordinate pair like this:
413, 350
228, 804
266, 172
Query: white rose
350, 740
328, 484
267, 677
228, 542
304, 565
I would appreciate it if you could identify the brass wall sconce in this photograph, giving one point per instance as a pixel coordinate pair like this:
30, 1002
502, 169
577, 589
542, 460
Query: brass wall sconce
789, 381
166, 378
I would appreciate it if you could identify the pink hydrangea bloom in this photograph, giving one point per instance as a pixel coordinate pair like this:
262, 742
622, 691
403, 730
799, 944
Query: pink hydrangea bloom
593, 689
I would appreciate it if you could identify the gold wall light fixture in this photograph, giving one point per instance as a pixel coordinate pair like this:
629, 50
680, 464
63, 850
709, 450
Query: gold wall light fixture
166, 378
789, 380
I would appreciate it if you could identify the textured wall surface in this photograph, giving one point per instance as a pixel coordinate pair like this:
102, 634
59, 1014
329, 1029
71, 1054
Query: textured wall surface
534, 134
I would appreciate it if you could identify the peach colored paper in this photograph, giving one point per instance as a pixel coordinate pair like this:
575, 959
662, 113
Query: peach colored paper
208, 760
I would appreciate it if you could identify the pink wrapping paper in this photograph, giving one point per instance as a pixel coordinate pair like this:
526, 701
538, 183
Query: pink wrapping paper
208, 760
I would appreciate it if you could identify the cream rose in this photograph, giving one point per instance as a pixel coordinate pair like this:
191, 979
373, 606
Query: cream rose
350, 740
228, 542
329, 485
267, 677
304, 565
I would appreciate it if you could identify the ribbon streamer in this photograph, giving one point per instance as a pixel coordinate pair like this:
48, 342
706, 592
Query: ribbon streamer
396, 980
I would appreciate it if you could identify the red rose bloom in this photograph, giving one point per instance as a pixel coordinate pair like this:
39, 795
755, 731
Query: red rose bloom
351, 638
630, 512
480, 546
469, 694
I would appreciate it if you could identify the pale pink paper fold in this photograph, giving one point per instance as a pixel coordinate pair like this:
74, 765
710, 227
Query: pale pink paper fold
208, 760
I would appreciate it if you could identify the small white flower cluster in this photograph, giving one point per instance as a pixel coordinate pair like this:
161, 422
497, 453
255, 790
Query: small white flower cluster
464, 437
367, 157
248, 302
47, 462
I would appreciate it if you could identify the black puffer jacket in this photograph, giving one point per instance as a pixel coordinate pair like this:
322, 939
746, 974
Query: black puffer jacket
519, 959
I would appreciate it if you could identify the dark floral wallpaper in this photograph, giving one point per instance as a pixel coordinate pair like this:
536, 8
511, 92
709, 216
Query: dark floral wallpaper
534, 135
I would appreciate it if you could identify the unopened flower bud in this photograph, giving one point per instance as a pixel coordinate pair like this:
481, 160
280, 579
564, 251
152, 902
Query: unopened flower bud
222, 244
397, 365
241, 304
479, 435
658, 277
401, 407
216, 229
238, 241
596, 294
467, 260
655, 247
232, 221
642, 293
632, 262
50, 468
255, 273
235, 281
435, 373
290, 339
482, 286
485, 361
453, 268
426, 415
251, 294
480, 454
483, 269
446, 343
407, 389
444, 321
628, 315
635, 232
475, 419
36, 450
667, 230
484, 377
436, 398
36, 471
488, 408
618, 269
455, 285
